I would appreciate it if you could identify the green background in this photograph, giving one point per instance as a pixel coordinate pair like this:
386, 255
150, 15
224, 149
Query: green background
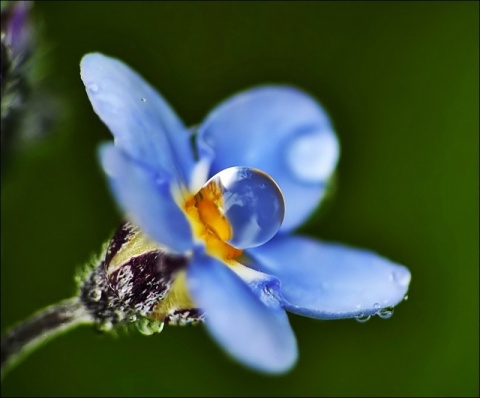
400, 83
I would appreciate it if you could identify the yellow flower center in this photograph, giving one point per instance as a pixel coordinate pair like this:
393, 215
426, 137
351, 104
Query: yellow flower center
204, 210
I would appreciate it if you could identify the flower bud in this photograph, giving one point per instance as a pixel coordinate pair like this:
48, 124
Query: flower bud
132, 282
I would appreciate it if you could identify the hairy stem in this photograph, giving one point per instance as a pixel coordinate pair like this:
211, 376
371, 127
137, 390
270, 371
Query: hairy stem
40, 328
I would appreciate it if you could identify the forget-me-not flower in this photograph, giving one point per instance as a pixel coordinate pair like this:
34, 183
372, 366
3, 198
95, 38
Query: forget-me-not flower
208, 193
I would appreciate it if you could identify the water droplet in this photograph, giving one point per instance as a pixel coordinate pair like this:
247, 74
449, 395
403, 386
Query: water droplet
313, 155
243, 206
93, 88
385, 313
376, 306
147, 326
95, 294
362, 318
105, 326
405, 298
143, 99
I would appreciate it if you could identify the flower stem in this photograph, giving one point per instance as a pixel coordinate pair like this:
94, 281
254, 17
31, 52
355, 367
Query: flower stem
46, 324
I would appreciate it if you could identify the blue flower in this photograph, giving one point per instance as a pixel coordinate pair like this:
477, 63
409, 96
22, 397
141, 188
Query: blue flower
156, 167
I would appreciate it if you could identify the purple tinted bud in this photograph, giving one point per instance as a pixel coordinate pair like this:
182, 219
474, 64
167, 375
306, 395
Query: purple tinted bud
18, 33
16, 39
28, 109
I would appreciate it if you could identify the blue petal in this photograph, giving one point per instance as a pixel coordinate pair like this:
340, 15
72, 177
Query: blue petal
327, 281
252, 332
147, 199
281, 131
142, 122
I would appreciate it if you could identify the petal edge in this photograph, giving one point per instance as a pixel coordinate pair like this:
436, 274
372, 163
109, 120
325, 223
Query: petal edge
330, 281
146, 198
256, 335
142, 122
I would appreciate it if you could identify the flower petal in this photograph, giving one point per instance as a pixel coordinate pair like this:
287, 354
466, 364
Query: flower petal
328, 281
281, 131
142, 122
257, 335
147, 199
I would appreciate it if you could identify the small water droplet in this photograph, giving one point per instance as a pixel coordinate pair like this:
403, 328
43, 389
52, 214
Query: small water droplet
147, 326
105, 326
93, 88
405, 298
376, 306
362, 318
243, 206
95, 294
143, 99
385, 313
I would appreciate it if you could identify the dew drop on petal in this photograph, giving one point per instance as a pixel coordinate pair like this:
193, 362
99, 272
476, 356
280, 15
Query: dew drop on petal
243, 206
362, 318
385, 313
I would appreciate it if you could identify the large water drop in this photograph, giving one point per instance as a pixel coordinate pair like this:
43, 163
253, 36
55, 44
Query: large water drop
243, 206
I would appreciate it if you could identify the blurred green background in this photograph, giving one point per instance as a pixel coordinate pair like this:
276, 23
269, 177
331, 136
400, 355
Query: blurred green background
400, 83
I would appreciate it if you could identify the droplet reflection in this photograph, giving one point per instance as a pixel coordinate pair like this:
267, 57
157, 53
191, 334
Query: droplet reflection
385, 313
362, 318
243, 206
